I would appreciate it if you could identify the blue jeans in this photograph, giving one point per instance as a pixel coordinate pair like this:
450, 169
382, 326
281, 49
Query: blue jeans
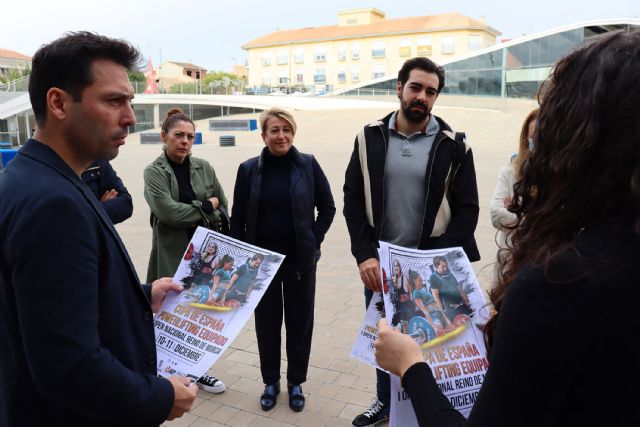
383, 384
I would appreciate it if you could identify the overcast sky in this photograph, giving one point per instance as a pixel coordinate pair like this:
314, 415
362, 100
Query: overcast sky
210, 33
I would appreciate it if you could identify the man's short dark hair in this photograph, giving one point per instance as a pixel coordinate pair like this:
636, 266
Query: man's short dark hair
256, 257
424, 64
438, 259
65, 63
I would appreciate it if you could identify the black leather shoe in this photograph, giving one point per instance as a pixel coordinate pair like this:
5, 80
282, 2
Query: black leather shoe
269, 396
296, 398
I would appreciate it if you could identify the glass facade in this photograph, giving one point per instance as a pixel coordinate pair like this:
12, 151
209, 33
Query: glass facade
515, 71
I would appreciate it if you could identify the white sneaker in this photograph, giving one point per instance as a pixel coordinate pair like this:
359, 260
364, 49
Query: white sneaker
211, 384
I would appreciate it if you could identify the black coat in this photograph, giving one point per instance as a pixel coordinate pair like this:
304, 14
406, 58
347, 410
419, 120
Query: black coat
77, 343
101, 177
309, 190
462, 199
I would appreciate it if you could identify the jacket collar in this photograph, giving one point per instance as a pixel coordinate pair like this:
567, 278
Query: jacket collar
384, 124
163, 162
45, 154
298, 159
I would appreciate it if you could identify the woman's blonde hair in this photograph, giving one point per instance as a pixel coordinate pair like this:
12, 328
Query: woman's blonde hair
279, 113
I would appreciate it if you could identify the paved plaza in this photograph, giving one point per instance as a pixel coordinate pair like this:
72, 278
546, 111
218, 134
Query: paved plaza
338, 387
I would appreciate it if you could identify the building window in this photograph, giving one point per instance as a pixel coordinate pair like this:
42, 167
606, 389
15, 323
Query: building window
283, 78
266, 79
299, 56
266, 58
378, 71
342, 53
342, 76
405, 48
424, 46
320, 54
299, 77
475, 42
355, 51
282, 57
189, 73
355, 74
448, 45
319, 76
377, 51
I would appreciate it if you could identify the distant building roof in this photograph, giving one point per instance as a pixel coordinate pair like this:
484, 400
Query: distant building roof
6, 53
187, 65
443, 22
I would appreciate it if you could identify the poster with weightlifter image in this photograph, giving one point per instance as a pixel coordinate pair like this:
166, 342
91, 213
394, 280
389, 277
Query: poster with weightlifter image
223, 279
434, 296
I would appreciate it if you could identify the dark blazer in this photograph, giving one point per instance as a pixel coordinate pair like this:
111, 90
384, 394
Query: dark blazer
76, 331
309, 189
101, 177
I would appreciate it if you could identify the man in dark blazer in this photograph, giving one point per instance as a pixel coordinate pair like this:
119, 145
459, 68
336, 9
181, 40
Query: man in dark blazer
77, 342
107, 186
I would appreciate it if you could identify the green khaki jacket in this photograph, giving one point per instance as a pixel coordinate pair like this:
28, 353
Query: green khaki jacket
172, 220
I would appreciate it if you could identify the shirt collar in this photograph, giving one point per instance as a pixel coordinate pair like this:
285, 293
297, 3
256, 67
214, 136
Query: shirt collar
431, 128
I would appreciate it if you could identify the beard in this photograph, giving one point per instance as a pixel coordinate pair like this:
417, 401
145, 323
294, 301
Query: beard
415, 116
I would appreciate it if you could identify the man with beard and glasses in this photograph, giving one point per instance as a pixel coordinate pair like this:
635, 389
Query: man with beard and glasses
411, 182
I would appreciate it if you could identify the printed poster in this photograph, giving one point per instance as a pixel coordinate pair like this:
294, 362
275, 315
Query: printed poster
363, 349
435, 297
224, 280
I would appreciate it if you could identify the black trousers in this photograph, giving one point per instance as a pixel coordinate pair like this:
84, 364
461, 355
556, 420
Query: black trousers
292, 291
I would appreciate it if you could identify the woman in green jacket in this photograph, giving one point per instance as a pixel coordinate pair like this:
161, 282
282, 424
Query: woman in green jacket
182, 192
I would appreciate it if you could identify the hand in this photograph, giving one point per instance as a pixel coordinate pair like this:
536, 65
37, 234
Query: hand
184, 395
395, 351
506, 202
108, 195
370, 274
214, 202
159, 290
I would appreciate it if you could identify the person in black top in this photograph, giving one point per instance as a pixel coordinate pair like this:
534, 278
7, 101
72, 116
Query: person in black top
560, 354
274, 206
109, 189
183, 192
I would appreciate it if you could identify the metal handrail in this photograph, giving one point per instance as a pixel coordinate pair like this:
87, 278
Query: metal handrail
12, 86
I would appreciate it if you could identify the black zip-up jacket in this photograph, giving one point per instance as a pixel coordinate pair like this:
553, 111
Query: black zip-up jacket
309, 189
448, 221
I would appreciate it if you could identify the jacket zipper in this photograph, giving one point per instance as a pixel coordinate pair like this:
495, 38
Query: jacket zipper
384, 175
426, 199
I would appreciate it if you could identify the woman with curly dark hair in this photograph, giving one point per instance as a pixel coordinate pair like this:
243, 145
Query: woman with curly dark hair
562, 345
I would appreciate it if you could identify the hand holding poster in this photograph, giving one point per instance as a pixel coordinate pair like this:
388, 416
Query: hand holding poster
363, 349
435, 297
224, 280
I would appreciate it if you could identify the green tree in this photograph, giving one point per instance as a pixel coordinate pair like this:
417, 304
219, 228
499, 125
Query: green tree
221, 82
14, 74
137, 76
138, 80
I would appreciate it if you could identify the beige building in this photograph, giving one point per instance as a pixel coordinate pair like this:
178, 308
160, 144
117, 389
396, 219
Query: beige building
10, 59
170, 72
241, 71
364, 45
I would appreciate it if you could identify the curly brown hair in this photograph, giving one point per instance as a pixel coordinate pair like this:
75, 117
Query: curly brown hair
586, 164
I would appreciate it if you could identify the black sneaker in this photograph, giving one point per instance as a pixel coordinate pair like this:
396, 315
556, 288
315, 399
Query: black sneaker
211, 384
376, 413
